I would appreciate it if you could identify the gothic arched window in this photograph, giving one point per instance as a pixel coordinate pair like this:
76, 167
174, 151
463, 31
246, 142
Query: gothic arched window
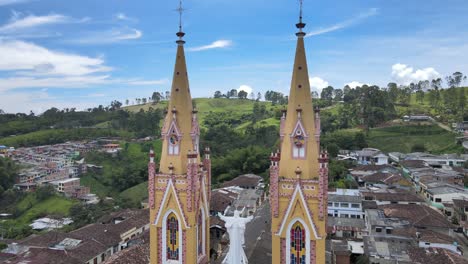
298, 244
298, 138
172, 237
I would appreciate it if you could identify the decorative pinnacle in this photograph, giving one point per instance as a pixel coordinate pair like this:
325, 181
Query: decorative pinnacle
300, 25
180, 34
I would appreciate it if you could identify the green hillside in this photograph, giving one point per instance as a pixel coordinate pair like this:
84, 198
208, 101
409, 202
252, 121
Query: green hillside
402, 138
234, 108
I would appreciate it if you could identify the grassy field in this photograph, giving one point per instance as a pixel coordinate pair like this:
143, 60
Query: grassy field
136, 193
403, 138
55, 205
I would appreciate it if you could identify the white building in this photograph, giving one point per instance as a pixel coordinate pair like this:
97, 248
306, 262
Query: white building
445, 193
368, 156
345, 203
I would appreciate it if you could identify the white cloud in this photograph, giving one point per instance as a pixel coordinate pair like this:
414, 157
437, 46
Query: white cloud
11, 2
39, 101
110, 36
355, 84
245, 88
403, 74
32, 59
148, 82
347, 23
317, 84
56, 82
218, 44
31, 21
123, 17
19, 24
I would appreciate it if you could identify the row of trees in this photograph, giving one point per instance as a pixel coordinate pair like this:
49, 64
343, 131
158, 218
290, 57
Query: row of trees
155, 98
79, 125
237, 94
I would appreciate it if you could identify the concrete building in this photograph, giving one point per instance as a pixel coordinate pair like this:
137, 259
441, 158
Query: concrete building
370, 156
347, 205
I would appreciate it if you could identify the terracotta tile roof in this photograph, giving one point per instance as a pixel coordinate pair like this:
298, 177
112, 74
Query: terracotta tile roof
394, 196
247, 180
434, 256
221, 199
138, 254
460, 203
371, 167
216, 221
417, 215
44, 256
384, 177
413, 163
94, 239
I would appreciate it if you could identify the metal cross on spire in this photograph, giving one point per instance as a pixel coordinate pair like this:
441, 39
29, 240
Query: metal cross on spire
180, 34
300, 25
300, 11
180, 9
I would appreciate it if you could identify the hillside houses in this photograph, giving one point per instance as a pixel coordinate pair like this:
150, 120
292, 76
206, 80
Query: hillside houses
56, 165
92, 244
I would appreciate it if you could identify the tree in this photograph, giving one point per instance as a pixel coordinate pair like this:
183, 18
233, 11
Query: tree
218, 94
252, 96
232, 93
242, 94
156, 97
143, 100
168, 95
115, 105
392, 89
455, 79
259, 96
327, 94
126, 102
338, 95
2, 112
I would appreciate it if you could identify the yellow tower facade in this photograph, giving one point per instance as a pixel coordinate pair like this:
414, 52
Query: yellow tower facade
299, 175
179, 192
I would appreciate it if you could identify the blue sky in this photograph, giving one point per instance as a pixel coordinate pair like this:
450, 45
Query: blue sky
84, 53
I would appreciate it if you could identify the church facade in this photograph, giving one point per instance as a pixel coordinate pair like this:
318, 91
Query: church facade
179, 193
299, 175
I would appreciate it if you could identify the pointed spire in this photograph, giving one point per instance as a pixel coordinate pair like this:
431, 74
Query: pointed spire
300, 118
180, 112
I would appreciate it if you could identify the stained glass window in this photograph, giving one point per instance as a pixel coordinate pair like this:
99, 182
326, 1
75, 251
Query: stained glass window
172, 234
297, 247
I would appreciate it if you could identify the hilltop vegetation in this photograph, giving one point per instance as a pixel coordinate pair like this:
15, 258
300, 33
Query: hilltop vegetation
241, 133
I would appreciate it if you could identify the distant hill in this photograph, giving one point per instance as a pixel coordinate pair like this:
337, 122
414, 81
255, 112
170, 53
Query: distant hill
236, 108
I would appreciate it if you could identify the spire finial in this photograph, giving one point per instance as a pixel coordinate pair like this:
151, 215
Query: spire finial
180, 34
300, 25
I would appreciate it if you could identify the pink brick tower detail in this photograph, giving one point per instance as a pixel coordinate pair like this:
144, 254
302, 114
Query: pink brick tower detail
159, 245
151, 179
192, 172
283, 250
317, 126
323, 184
207, 166
312, 252
274, 181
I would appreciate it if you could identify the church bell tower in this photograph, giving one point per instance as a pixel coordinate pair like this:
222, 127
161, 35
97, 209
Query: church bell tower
299, 174
179, 192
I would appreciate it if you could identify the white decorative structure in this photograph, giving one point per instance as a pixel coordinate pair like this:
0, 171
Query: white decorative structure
235, 226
